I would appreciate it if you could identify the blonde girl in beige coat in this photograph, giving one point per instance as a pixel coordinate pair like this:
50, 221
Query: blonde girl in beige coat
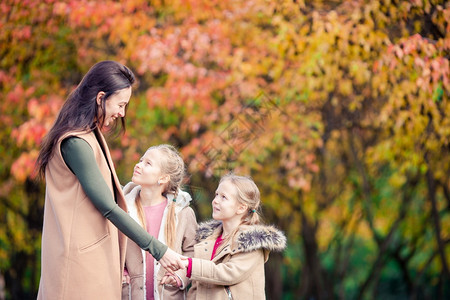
229, 258
155, 201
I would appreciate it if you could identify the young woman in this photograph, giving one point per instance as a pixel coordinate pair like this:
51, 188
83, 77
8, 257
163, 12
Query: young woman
154, 199
83, 252
229, 258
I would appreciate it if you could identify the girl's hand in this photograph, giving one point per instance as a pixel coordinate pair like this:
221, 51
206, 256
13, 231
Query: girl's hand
172, 261
169, 279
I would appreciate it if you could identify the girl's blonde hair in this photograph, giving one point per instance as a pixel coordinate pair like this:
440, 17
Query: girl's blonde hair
171, 164
248, 194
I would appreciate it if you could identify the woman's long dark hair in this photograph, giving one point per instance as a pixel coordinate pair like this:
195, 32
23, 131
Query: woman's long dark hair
80, 111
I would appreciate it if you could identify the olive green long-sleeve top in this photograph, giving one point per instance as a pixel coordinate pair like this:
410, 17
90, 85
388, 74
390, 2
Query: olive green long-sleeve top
78, 155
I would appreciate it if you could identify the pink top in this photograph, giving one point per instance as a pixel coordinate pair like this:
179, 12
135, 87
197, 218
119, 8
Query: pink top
216, 245
153, 219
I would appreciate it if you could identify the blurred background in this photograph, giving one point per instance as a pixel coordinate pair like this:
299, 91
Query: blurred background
339, 110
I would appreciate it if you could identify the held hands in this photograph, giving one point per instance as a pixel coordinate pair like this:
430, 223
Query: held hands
172, 261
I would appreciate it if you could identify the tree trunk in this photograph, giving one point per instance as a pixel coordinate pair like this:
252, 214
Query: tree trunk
317, 287
2, 287
274, 284
436, 221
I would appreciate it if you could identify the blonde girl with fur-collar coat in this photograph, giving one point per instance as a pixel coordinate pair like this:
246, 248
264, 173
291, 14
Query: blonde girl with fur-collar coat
231, 250
135, 261
237, 270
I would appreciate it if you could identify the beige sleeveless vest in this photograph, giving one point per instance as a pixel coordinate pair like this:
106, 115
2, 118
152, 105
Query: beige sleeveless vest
83, 253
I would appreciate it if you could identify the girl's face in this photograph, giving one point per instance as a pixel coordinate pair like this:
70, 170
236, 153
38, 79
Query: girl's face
147, 171
225, 205
115, 105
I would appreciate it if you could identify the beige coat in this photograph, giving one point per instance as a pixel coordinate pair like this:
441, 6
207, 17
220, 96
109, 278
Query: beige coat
238, 269
186, 227
83, 253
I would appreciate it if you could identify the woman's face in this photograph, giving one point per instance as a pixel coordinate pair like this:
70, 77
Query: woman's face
115, 105
225, 204
147, 171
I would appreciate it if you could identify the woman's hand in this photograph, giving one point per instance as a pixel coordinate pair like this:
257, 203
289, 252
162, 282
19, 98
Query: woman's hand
172, 261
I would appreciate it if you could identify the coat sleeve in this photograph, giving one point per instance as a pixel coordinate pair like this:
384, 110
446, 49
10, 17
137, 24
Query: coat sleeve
237, 269
79, 157
188, 222
191, 226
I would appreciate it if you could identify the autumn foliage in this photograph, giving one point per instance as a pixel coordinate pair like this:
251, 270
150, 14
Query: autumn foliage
338, 110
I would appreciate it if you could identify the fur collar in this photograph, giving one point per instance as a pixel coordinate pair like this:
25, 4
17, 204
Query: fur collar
248, 237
